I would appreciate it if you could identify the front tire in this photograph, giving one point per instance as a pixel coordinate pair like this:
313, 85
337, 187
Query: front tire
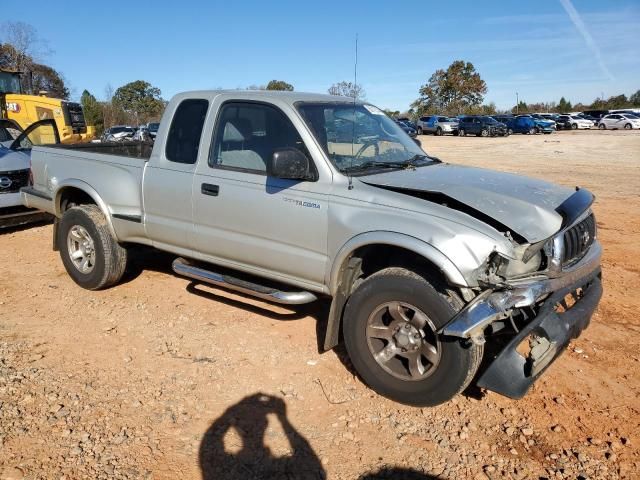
627, 126
461, 132
419, 130
574, 126
90, 253
602, 126
484, 132
390, 325
438, 132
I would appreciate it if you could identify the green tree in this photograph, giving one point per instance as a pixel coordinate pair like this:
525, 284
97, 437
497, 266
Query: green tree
347, 89
92, 111
619, 101
279, 85
451, 91
45, 79
564, 106
635, 99
139, 99
522, 107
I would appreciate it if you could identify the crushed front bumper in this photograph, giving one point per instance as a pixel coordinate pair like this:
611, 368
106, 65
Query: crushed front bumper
511, 373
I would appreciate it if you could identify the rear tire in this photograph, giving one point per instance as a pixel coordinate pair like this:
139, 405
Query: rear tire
89, 251
439, 132
574, 126
484, 132
509, 132
395, 306
419, 130
462, 133
532, 131
602, 126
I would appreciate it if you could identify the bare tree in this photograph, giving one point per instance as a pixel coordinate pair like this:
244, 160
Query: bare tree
28, 47
347, 89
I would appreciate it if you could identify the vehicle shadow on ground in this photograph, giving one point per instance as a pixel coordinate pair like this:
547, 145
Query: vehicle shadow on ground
19, 228
233, 447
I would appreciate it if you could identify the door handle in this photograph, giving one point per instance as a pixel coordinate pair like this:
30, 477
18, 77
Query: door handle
208, 189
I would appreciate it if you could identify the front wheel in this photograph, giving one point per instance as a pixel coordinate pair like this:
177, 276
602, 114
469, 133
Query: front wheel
484, 132
510, 132
574, 126
419, 130
602, 126
89, 251
532, 131
461, 132
390, 325
439, 132
627, 126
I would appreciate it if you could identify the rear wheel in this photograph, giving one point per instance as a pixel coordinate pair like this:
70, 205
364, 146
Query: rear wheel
419, 130
439, 132
461, 132
90, 253
510, 132
574, 126
602, 126
532, 131
390, 325
536, 130
484, 132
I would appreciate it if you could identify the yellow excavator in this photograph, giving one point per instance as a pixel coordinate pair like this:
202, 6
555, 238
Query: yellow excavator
26, 109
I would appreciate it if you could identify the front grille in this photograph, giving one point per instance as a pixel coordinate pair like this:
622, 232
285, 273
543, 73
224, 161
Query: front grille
578, 239
16, 180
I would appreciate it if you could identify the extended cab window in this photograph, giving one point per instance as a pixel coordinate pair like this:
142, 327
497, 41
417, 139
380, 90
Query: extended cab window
247, 134
186, 129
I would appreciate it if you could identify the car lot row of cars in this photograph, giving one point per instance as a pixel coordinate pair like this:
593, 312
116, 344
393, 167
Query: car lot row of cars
504, 125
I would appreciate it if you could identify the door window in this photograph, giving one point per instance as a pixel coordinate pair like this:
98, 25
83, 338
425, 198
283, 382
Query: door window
185, 131
247, 135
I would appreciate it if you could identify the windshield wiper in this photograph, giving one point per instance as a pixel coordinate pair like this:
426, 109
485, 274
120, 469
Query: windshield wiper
410, 163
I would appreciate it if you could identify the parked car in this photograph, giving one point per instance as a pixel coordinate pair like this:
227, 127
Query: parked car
15, 151
118, 133
439, 125
407, 129
542, 125
615, 121
153, 129
521, 124
598, 114
482, 126
573, 122
593, 120
409, 123
426, 263
422, 124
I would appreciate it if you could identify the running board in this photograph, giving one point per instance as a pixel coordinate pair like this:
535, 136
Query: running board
186, 269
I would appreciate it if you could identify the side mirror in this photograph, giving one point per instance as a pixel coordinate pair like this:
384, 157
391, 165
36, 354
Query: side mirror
290, 163
418, 142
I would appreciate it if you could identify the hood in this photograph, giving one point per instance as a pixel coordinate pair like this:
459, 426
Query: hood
11, 160
527, 207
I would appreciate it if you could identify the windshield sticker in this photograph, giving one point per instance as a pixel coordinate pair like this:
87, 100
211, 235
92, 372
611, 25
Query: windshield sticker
373, 110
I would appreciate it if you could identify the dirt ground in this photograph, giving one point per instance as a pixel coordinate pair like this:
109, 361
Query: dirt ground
158, 378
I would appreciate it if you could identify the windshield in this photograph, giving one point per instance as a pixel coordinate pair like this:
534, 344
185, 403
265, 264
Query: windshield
491, 120
115, 130
360, 137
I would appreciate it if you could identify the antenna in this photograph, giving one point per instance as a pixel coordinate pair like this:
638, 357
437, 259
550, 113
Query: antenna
355, 96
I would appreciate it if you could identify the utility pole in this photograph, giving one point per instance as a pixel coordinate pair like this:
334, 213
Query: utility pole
517, 103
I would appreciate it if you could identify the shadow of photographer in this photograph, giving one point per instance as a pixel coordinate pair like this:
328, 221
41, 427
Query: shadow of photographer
253, 459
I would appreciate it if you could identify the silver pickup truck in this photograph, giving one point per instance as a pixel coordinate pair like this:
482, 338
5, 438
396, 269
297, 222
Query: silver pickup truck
437, 274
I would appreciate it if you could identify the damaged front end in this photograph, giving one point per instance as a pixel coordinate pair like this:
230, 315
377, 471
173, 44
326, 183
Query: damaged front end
527, 319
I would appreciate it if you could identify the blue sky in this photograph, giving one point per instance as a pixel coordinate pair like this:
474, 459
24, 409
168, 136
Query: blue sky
534, 48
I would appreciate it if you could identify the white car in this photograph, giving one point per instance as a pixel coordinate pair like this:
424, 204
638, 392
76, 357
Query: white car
619, 120
575, 122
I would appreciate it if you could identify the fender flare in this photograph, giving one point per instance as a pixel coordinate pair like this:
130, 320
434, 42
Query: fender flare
89, 190
342, 265
395, 239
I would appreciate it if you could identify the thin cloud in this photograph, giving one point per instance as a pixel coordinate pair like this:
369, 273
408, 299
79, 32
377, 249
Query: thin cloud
588, 39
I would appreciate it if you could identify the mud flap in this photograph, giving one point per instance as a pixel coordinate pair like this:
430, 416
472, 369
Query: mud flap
514, 371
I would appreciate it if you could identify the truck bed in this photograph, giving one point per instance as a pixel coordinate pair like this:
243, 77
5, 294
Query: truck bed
124, 149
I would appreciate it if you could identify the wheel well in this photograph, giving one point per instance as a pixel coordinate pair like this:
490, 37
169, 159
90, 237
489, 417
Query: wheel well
364, 262
374, 258
72, 196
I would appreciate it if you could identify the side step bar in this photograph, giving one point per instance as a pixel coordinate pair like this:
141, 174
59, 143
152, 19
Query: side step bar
186, 269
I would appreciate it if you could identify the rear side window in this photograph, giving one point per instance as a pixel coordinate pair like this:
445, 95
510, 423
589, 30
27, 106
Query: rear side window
185, 132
